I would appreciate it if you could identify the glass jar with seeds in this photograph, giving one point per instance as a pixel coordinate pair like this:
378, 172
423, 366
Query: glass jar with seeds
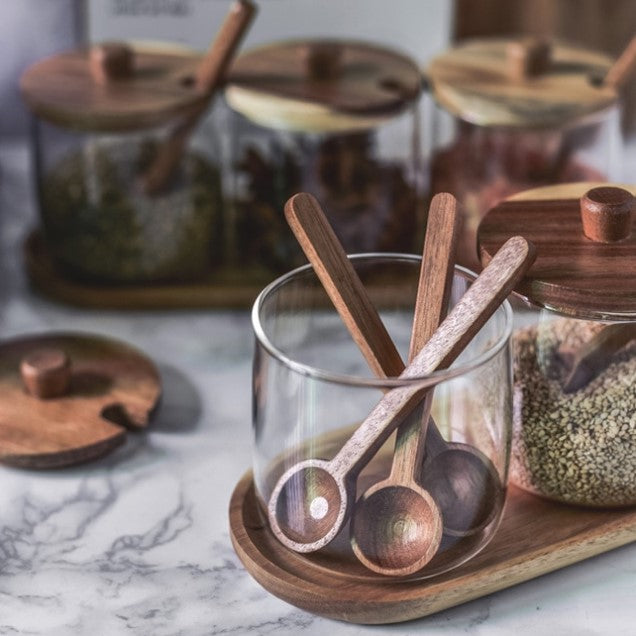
337, 119
574, 436
126, 196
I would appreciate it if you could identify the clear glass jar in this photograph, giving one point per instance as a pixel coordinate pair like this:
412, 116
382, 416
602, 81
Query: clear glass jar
126, 166
312, 388
99, 224
511, 115
574, 436
361, 163
483, 165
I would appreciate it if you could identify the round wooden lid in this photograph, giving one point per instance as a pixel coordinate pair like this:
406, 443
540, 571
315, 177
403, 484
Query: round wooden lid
113, 87
322, 85
107, 387
521, 83
573, 274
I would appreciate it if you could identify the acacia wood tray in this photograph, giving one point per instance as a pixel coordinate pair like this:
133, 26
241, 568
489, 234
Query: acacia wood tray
536, 536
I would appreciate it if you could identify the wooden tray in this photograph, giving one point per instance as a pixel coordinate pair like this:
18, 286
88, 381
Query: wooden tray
208, 292
536, 536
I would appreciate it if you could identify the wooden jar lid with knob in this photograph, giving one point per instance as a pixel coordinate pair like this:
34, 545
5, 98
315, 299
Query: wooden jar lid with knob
322, 85
69, 398
585, 235
529, 83
113, 87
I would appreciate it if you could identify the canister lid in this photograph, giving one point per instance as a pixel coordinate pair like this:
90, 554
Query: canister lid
113, 87
573, 274
521, 83
322, 85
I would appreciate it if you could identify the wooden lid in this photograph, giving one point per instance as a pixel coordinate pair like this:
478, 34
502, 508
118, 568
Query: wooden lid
521, 83
69, 398
573, 274
112, 87
322, 85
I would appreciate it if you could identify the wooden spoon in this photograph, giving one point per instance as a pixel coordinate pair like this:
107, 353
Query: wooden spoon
312, 500
209, 75
396, 527
596, 354
460, 478
622, 68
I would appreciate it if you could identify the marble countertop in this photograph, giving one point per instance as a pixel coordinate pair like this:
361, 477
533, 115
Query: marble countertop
138, 542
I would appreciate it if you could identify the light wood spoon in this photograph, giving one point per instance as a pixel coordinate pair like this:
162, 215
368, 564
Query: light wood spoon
396, 526
461, 479
312, 500
209, 76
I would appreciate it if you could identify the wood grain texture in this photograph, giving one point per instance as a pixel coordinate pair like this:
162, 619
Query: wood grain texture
571, 274
328, 484
61, 90
399, 503
112, 386
606, 214
273, 85
343, 286
535, 537
472, 81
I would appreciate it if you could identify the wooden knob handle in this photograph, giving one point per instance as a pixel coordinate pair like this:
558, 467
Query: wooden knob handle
323, 60
606, 213
111, 61
528, 58
46, 373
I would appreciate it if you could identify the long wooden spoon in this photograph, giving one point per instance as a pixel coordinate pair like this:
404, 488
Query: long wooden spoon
208, 78
396, 526
458, 476
312, 500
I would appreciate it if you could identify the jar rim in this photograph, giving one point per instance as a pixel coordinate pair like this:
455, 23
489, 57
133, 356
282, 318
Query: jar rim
423, 381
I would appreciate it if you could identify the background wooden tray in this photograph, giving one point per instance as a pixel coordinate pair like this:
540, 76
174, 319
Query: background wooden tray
536, 536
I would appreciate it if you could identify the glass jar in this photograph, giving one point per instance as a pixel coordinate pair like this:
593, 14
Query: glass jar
574, 436
107, 123
336, 119
511, 115
312, 388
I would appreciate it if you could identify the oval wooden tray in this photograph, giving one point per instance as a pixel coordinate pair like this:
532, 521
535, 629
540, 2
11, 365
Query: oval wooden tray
536, 536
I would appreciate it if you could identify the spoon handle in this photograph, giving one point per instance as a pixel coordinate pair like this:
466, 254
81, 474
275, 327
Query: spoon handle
468, 316
596, 354
343, 286
623, 67
209, 75
431, 305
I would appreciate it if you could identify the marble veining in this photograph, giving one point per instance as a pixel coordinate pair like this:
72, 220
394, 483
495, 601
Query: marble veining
138, 542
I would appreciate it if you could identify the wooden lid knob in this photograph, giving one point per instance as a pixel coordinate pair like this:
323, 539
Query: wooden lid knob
323, 60
111, 61
606, 213
46, 373
528, 57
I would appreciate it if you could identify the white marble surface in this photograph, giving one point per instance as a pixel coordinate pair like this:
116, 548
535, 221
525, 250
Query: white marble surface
138, 542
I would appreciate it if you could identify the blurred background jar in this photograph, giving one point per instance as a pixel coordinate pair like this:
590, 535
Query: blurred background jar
336, 118
574, 423
105, 117
515, 113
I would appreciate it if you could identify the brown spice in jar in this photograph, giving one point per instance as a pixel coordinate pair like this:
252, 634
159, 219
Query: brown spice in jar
371, 204
580, 447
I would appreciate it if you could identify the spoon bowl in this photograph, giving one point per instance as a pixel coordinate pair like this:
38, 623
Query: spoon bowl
397, 528
309, 505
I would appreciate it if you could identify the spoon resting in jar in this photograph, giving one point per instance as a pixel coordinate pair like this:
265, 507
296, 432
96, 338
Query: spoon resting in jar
395, 529
312, 500
457, 475
209, 75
